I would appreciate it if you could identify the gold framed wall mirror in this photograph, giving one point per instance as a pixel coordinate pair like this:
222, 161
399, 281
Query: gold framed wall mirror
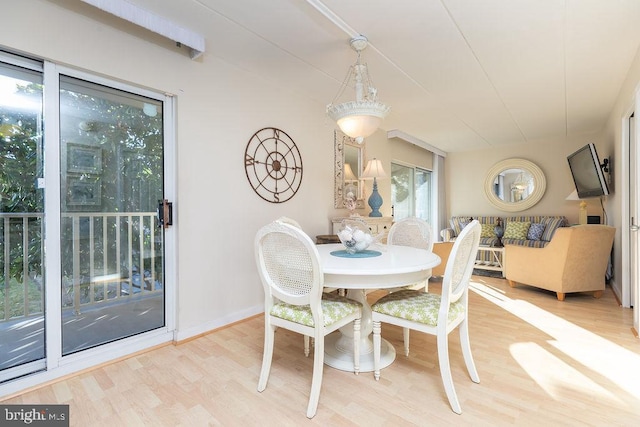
348, 167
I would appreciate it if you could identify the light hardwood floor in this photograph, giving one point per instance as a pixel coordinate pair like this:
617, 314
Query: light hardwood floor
541, 363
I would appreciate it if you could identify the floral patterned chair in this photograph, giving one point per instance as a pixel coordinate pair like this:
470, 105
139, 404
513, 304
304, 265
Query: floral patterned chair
435, 314
289, 268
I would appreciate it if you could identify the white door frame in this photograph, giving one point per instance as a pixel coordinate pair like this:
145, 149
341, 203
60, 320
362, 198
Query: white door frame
56, 365
625, 232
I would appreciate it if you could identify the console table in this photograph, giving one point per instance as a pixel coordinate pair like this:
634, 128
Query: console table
377, 225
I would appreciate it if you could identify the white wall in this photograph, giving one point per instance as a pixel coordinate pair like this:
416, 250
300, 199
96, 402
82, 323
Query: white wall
219, 107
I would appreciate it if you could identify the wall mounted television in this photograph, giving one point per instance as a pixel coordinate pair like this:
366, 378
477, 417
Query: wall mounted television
587, 172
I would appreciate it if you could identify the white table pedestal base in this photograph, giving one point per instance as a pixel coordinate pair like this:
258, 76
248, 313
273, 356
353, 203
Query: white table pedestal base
338, 353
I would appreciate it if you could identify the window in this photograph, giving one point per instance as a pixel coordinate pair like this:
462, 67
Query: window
411, 192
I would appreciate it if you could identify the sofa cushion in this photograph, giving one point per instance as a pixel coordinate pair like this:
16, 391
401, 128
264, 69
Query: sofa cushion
488, 230
528, 243
517, 230
552, 224
458, 223
535, 231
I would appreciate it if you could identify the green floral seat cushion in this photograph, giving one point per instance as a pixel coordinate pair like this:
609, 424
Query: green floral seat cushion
334, 308
417, 306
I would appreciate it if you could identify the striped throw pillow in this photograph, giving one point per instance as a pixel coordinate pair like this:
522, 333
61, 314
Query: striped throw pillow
551, 225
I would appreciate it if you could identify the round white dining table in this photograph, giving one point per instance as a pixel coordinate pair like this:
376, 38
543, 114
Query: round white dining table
396, 266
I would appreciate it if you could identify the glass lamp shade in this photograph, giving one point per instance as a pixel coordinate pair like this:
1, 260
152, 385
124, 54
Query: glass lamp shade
358, 119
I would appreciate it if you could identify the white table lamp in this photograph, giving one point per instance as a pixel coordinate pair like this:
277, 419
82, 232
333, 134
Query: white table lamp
582, 216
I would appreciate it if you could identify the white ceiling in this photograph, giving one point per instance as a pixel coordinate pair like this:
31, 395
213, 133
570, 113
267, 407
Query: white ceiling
458, 74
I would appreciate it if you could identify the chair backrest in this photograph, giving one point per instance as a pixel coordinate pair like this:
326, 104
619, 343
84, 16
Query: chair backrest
289, 265
291, 221
460, 264
412, 231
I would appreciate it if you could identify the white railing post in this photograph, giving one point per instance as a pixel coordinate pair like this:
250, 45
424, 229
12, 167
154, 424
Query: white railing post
146, 248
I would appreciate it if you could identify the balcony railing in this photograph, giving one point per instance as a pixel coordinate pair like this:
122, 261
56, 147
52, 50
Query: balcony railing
106, 258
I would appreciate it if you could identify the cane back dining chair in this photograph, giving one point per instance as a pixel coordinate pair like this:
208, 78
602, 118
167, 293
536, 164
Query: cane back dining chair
414, 232
436, 314
289, 268
306, 338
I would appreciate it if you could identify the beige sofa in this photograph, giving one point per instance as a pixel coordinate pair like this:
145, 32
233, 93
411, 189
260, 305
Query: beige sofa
575, 260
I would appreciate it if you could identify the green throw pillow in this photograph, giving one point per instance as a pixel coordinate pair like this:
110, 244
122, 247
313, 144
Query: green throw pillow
517, 230
487, 230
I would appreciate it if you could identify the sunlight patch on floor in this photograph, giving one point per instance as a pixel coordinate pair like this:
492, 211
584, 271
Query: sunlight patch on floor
605, 363
553, 375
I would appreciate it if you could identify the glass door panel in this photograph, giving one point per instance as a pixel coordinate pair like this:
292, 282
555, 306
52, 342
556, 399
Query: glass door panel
112, 251
22, 326
402, 195
423, 194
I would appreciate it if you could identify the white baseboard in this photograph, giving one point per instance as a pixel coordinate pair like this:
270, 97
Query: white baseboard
616, 289
203, 328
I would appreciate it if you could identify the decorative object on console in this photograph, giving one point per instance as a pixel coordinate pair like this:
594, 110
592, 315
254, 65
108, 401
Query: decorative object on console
379, 227
362, 117
273, 165
582, 216
499, 233
355, 236
350, 203
374, 170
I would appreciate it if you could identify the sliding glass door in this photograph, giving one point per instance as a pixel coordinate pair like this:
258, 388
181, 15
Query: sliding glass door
22, 287
112, 253
411, 192
102, 158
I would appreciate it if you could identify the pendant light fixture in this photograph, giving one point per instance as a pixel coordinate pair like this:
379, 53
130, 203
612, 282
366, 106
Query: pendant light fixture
362, 117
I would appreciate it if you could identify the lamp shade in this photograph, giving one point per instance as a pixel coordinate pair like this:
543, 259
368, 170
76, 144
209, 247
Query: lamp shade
348, 173
358, 119
374, 170
573, 196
